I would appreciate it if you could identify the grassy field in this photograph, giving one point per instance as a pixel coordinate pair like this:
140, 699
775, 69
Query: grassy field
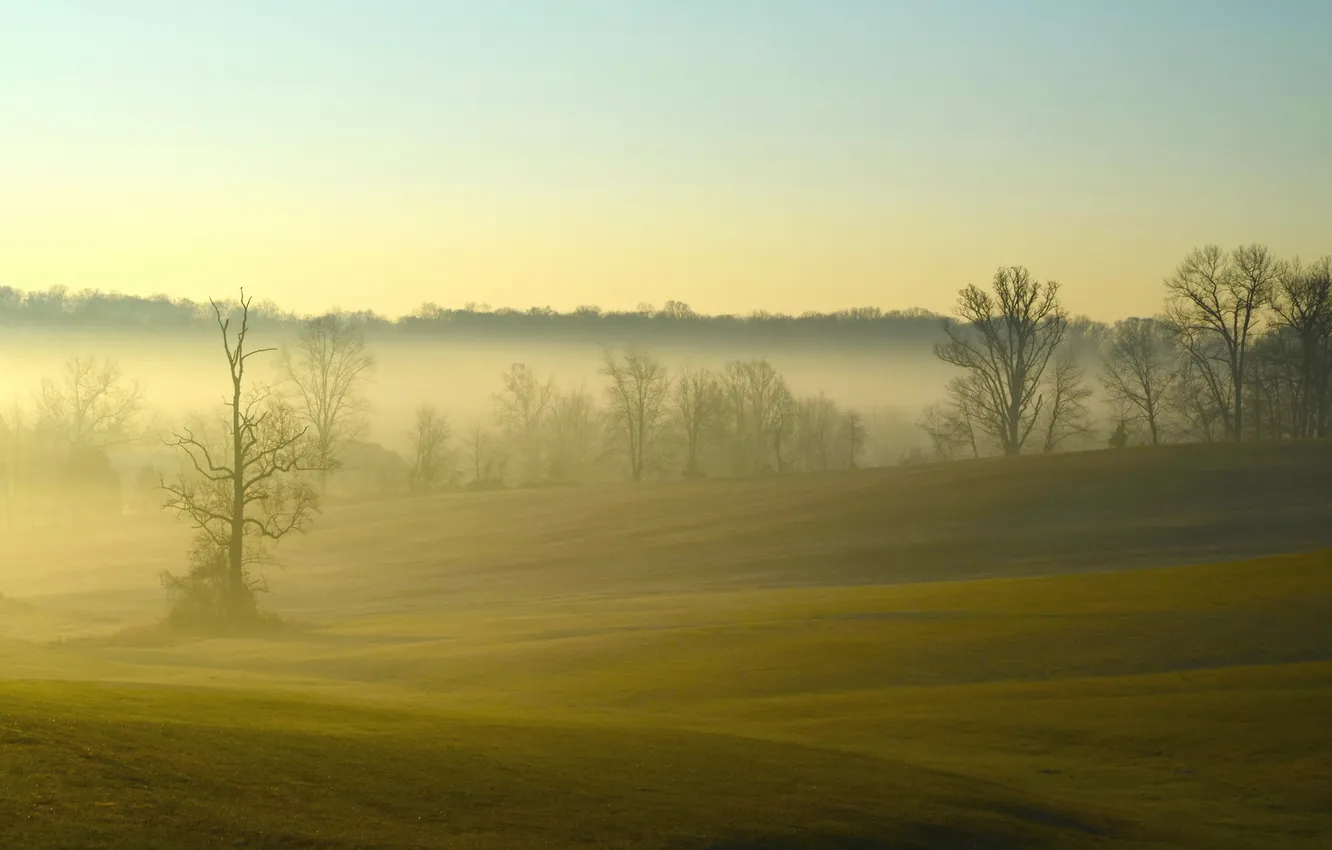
896, 658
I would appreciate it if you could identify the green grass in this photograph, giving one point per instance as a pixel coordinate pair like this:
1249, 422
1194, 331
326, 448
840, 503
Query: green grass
672, 689
147, 770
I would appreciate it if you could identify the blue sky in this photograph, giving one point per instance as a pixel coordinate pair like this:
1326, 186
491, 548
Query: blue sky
736, 154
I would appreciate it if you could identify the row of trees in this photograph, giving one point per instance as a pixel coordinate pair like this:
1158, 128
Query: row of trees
248, 480
259, 472
671, 322
741, 420
1242, 350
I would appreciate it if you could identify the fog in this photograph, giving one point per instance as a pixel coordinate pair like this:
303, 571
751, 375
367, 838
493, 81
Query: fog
185, 373
581, 608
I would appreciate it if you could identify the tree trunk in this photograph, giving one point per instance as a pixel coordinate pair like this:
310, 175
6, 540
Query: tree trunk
1237, 380
236, 549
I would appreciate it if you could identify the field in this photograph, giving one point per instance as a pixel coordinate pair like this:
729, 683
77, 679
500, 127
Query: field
1119, 649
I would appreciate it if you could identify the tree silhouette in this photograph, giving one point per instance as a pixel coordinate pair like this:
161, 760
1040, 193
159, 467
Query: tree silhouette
1004, 342
696, 402
1303, 304
245, 488
1067, 414
853, 430
521, 410
755, 408
638, 390
327, 364
430, 438
1138, 372
92, 406
1213, 305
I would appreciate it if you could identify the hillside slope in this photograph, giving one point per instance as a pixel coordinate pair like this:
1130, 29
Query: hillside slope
989, 518
972, 519
1182, 707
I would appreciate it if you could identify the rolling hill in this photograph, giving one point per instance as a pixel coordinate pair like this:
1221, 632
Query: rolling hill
949, 656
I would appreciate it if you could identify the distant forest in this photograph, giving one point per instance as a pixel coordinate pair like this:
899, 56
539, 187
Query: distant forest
673, 322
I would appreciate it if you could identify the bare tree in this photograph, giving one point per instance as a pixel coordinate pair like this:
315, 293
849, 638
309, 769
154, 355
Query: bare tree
1138, 372
1067, 415
785, 419
969, 411
92, 406
755, 404
1193, 399
1303, 303
328, 364
818, 421
1213, 304
853, 436
953, 425
573, 433
1004, 342
696, 402
638, 391
521, 410
937, 423
430, 458
249, 489
486, 459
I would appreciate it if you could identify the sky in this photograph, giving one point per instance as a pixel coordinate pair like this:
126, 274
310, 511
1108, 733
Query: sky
732, 154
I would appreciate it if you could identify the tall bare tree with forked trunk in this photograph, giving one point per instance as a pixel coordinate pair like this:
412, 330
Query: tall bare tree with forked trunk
245, 488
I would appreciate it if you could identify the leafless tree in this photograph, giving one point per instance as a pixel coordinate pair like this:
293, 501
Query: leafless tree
1213, 305
639, 390
968, 413
785, 419
1138, 371
92, 406
1303, 303
1005, 341
953, 425
573, 433
696, 403
938, 424
486, 459
754, 404
247, 487
1199, 403
1066, 413
430, 458
520, 410
818, 422
853, 436
328, 364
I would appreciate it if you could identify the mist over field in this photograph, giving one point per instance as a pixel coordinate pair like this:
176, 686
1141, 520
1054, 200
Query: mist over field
665, 425
780, 565
460, 376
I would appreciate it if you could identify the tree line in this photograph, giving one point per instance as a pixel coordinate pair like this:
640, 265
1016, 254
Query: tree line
647, 323
1242, 350
741, 420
